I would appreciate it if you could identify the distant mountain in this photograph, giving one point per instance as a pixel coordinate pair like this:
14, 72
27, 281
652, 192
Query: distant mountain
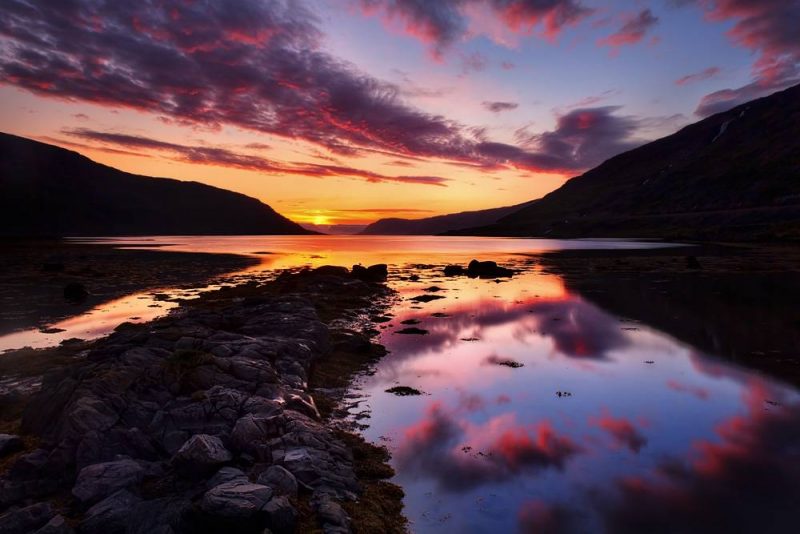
732, 176
439, 224
49, 191
335, 229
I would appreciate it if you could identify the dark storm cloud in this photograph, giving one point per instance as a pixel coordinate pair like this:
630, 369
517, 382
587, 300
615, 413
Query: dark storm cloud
206, 155
582, 139
258, 66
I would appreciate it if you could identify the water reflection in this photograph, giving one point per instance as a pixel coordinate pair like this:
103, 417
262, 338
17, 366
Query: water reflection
547, 411
607, 426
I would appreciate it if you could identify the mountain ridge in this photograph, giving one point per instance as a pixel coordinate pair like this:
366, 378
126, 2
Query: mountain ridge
732, 176
438, 224
46, 190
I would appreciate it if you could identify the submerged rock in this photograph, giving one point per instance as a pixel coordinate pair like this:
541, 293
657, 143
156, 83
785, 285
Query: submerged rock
413, 331
403, 391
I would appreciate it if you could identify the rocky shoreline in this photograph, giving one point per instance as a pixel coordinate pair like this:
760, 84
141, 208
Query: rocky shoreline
204, 421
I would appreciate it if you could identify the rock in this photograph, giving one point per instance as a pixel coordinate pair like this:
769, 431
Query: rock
110, 516
9, 444
25, 520
75, 292
359, 271
160, 516
332, 270
236, 499
377, 272
226, 474
426, 298
100, 480
413, 331
280, 480
453, 270
201, 454
373, 273
692, 263
303, 404
353, 343
487, 269
57, 525
281, 515
331, 514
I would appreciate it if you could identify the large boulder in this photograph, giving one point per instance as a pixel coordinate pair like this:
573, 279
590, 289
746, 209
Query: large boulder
236, 499
487, 269
57, 525
280, 480
281, 515
25, 520
97, 481
201, 454
110, 516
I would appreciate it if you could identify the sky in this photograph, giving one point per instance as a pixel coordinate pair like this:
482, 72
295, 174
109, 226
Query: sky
346, 111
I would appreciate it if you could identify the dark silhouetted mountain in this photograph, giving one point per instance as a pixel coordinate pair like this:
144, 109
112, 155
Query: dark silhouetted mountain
49, 191
439, 224
732, 176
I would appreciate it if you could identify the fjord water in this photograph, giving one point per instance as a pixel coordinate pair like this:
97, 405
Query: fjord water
541, 411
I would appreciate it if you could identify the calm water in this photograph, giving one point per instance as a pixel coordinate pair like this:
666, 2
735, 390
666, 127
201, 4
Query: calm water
606, 424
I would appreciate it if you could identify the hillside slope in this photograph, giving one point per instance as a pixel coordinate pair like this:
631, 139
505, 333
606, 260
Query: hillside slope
49, 191
439, 224
733, 176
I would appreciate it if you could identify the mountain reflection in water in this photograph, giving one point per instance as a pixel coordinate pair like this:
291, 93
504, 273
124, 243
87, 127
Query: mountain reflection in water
608, 426
568, 402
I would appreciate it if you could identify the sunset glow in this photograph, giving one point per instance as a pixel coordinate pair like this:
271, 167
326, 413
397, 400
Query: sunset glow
347, 111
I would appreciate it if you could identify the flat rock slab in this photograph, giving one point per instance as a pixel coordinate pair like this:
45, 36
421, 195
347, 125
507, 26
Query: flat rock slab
100, 480
236, 499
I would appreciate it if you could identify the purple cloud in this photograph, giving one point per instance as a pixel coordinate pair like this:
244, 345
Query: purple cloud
258, 66
705, 74
206, 155
632, 31
497, 107
767, 27
440, 23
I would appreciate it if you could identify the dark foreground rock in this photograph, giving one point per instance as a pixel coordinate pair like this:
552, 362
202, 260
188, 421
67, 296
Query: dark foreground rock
199, 422
479, 269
